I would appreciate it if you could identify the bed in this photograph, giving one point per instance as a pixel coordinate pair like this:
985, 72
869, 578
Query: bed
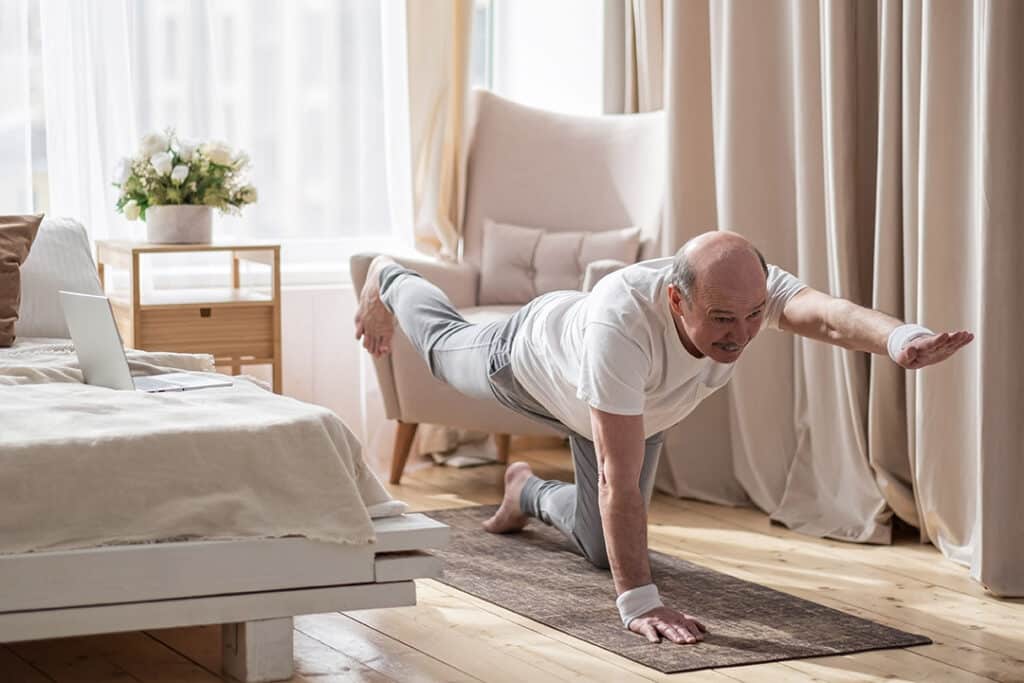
124, 511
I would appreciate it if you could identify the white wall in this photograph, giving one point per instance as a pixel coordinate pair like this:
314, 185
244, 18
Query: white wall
324, 364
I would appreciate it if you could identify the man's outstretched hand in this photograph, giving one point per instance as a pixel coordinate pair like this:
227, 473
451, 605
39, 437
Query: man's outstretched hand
932, 349
666, 622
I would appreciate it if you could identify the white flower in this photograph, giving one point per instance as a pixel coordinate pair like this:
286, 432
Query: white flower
241, 160
122, 171
162, 162
249, 194
154, 143
218, 152
131, 210
179, 173
186, 148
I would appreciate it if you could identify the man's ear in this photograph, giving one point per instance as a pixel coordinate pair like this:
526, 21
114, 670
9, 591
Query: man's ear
675, 300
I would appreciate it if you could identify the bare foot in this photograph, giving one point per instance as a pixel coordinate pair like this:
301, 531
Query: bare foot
375, 324
509, 516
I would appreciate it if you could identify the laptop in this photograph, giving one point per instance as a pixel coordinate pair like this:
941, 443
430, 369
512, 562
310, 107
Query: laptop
101, 351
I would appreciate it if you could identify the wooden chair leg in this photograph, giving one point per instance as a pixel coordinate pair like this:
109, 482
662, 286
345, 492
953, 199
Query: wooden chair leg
502, 441
403, 443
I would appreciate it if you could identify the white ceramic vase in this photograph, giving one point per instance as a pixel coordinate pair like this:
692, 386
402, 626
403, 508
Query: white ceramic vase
179, 224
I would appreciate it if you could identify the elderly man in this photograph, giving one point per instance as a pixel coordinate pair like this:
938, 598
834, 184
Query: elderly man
616, 367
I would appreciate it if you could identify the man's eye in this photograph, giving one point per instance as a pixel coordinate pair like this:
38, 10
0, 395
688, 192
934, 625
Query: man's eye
754, 314
720, 319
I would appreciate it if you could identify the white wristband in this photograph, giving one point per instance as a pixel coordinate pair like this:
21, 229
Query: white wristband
637, 601
903, 335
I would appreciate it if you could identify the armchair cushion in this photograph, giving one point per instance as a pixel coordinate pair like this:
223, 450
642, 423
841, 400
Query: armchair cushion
596, 270
519, 264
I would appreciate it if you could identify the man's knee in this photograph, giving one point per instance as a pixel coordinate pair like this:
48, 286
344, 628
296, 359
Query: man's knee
600, 560
595, 552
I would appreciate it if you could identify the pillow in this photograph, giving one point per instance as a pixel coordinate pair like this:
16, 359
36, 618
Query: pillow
16, 236
519, 264
60, 259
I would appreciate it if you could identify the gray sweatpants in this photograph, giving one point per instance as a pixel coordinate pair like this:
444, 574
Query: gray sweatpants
475, 359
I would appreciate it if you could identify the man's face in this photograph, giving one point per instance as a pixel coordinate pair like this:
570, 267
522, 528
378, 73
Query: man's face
725, 315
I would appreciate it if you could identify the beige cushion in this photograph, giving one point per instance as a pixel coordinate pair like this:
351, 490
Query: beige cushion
519, 263
16, 236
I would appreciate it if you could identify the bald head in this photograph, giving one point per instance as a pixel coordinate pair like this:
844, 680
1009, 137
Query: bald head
712, 257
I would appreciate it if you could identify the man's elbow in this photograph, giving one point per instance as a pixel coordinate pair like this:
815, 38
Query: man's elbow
620, 496
839, 310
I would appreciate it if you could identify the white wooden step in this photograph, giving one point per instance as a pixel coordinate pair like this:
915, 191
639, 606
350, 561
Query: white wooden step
405, 566
217, 609
410, 532
161, 571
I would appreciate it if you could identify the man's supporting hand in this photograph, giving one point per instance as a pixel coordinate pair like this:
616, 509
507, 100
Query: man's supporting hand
931, 349
666, 622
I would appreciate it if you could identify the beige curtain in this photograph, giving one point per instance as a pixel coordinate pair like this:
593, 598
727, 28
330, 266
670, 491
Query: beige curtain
875, 149
439, 35
634, 56
697, 455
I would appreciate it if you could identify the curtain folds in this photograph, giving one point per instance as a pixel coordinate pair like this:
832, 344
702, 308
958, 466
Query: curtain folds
314, 93
15, 109
873, 148
439, 38
90, 111
634, 56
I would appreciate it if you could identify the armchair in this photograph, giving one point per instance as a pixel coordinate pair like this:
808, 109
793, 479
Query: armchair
533, 168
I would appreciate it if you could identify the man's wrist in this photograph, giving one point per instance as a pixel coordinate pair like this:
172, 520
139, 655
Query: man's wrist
903, 335
637, 601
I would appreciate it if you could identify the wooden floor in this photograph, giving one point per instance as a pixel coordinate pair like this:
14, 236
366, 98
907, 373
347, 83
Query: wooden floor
450, 636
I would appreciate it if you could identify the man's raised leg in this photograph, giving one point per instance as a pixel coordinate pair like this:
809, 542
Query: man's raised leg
375, 324
456, 351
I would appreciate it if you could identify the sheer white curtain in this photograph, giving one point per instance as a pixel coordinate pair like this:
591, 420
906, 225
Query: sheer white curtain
15, 114
90, 119
315, 92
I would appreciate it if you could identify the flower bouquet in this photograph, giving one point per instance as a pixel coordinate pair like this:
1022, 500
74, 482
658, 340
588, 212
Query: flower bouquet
174, 184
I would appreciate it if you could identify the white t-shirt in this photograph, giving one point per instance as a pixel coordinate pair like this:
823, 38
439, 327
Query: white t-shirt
617, 349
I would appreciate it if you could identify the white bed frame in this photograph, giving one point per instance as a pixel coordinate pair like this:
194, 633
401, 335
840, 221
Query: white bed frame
252, 587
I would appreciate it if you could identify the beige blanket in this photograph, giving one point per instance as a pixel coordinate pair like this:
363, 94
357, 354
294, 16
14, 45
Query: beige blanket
82, 466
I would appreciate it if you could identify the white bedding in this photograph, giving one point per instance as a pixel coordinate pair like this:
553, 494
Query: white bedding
83, 466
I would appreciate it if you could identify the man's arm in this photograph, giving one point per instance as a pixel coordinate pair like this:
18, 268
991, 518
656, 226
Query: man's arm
619, 442
817, 315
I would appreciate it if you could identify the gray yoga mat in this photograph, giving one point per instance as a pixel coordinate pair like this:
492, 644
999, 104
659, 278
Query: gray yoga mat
536, 574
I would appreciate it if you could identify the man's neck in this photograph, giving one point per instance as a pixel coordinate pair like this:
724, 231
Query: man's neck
687, 344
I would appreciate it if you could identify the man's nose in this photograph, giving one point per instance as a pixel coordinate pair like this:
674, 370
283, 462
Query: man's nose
743, 332
751, 328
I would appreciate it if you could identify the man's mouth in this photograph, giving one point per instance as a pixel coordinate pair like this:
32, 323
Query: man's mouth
730, 348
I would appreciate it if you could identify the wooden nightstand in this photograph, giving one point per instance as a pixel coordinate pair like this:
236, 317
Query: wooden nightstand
239, 324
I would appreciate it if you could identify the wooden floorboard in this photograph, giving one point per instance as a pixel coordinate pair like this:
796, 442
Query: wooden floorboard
454, 637
14, 668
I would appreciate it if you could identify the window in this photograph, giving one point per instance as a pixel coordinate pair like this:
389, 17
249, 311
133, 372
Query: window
301, 86
314, 90
23, 182
543, 53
